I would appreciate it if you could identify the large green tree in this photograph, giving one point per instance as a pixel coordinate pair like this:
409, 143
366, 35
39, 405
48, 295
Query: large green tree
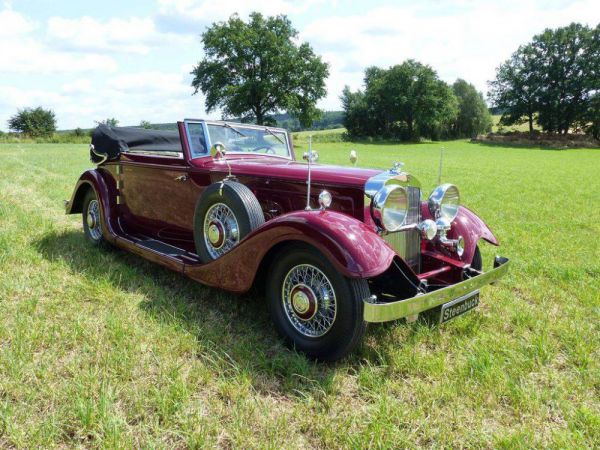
515, 91
256, 68
473, 116
406, 101
552, 79
567, 64
35, 122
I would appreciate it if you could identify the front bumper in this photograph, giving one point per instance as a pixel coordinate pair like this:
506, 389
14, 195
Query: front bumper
384, 312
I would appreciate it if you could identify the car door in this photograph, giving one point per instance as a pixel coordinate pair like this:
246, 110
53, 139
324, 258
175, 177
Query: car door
160, 190
157, 196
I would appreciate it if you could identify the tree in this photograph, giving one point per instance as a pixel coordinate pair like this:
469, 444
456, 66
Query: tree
145, 124
111, 122
553, 79
356, 117
473, 115
407, 101
591, 118
35, 122
254, 69
516, 88
564, 59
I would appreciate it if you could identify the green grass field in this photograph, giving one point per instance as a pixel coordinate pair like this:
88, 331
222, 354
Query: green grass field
99, 348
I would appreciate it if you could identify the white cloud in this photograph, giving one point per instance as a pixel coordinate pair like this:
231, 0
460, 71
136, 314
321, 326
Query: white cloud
131, 97
13, 24
131, 35
467, 40
191, 16
22, 52
211, 10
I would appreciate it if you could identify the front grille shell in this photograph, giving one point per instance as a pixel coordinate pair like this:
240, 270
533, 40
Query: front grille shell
407, 243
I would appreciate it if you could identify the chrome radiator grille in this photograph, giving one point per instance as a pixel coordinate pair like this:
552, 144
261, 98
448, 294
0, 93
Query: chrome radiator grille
408, 243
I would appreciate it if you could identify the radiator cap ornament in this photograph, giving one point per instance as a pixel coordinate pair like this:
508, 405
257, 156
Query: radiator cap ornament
397, 168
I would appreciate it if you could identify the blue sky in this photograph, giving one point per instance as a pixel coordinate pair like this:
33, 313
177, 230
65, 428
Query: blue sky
131, 59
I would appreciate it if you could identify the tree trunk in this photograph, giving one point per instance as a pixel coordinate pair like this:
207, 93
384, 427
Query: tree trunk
530, 119
259, 116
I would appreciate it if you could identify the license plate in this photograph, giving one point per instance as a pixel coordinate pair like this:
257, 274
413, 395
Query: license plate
459, 306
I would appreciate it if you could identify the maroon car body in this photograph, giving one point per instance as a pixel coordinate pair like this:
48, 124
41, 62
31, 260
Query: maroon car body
148, 201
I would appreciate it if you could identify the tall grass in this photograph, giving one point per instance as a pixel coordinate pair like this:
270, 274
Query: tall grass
101, 349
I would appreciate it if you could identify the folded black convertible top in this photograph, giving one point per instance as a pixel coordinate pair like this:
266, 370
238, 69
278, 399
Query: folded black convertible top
108, 142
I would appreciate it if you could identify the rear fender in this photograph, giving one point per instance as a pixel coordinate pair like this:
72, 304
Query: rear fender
354, 249
105, 192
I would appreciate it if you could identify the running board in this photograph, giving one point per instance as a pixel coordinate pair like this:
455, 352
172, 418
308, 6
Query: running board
161, 247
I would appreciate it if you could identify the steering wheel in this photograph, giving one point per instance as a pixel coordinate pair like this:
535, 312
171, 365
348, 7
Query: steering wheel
266, 148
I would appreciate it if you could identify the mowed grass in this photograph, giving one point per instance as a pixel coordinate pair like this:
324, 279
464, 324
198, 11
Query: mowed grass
99, 348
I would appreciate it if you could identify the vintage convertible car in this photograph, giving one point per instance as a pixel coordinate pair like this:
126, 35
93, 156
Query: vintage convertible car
230, 206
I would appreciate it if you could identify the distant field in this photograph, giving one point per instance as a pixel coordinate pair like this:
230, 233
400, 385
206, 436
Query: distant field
521, 127
102, 349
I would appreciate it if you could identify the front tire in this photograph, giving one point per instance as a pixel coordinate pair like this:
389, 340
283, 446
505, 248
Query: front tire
315, 309
92, 219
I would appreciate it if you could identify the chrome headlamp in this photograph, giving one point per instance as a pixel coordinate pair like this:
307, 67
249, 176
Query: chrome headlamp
444, 201
390, 207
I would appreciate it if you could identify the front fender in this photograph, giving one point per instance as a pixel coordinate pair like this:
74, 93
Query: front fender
354, 249
468, 225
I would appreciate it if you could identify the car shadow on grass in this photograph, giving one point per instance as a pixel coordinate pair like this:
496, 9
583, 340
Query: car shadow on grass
233, 332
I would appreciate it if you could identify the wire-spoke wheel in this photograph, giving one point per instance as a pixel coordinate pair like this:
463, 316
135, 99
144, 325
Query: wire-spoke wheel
221, 230
226, 213
309, 300
92, 218
315, 309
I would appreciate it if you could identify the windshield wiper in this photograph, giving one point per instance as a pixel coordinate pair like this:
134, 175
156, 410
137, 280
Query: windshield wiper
273, 134
234, 129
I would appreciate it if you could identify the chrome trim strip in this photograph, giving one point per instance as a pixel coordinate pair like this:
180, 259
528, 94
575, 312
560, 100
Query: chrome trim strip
384, 312
158, 154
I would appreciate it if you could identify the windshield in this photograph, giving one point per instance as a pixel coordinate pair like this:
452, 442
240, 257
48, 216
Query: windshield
240, 138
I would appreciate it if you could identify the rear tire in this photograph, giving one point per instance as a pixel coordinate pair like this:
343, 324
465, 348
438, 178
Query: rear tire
92, 219
316, 310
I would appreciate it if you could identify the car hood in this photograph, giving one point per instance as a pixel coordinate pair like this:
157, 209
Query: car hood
265, 166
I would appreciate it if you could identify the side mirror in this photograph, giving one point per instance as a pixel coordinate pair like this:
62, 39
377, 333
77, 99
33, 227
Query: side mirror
311, 156
217, 150
353, 157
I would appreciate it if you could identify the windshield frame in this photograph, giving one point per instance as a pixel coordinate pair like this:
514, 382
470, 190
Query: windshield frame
240, 127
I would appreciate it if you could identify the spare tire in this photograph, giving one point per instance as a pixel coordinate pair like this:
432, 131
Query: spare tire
226, 213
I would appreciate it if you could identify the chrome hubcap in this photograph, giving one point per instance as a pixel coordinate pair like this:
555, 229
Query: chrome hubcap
304, 302
220, 230
309, 300
216, 234
93, 220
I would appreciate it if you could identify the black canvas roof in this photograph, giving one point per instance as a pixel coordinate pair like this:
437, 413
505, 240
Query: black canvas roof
111, 141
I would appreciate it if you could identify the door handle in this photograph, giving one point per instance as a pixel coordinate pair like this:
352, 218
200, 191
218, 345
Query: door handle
181, 178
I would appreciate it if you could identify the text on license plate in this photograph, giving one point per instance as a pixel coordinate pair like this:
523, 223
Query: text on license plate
459, 306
